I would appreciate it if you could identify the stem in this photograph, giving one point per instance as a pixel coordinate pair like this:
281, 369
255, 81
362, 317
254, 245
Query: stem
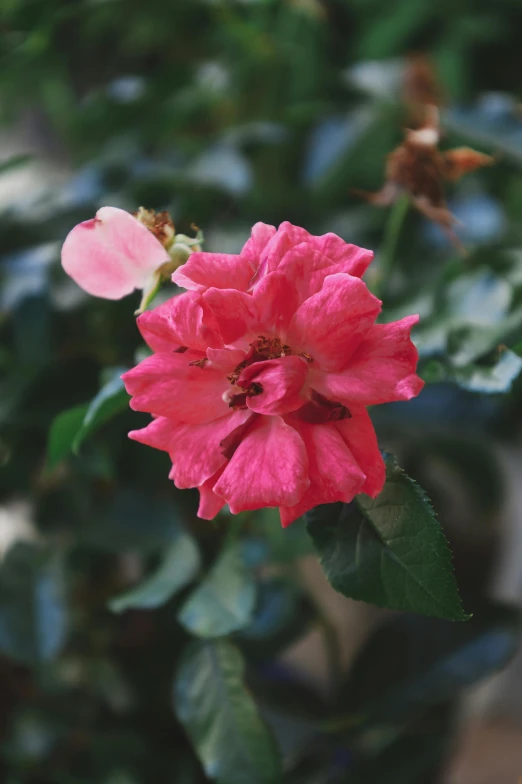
331, 644
390, 241
148, 295
329, 632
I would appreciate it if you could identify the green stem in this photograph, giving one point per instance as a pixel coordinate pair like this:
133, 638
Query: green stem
329, 633
389, 244
149, 294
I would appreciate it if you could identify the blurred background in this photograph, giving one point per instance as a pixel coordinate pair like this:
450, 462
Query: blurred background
226, 113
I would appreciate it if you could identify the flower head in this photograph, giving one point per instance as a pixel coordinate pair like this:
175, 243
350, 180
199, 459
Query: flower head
262, 372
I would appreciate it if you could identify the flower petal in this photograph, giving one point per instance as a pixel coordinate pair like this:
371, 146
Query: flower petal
331, 324
285, 238
210, 503
112, 254
354, 260
169, 385
269, 468
334, 473
307, 267
195, 449
214, 270
261, 235
157, 434
275, 299
193, 322
234, 311
281, 380
226, 359
381, 370
359, 435
157, 329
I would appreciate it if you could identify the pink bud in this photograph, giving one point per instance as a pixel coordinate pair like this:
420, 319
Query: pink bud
112, 254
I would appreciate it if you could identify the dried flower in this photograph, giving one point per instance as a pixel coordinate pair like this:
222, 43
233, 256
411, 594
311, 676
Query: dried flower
417, 167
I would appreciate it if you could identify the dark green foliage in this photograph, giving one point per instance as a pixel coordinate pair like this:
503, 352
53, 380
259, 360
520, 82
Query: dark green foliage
33, 605
427, 662
227, 113
221, 718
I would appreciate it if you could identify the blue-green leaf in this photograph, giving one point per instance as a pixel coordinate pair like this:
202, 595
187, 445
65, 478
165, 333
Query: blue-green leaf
221, 719
427, 661
63, 432
70, 428
178, 567
33, 616
224, 602
110, 400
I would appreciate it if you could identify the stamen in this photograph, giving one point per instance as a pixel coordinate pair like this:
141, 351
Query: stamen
238, 401
261, 349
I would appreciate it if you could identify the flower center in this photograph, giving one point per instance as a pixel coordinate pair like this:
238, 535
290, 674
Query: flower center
260, 350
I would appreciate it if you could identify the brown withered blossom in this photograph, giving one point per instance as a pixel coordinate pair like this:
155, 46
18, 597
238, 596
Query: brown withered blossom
420, 87
419, 169
159, 223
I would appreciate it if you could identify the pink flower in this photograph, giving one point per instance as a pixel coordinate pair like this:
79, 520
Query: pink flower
262, 373
306, 259
112, 254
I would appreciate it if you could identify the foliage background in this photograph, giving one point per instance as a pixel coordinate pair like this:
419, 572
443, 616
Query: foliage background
226, 113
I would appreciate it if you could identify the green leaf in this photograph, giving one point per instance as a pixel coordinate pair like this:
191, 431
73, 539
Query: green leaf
414, 755
110, 400
491, 379
221, 719
224, 602
284, 544
135, 521
282, 616
488, 379
427, 662
70, 428
389, 551
15, 162
63, 432
33, 618
179, 566
473, 318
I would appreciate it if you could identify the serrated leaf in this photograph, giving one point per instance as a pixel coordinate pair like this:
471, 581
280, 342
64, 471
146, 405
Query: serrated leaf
224, 602
390, 551
33, 616
427, 662
63, 432
178, 568
221, 719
